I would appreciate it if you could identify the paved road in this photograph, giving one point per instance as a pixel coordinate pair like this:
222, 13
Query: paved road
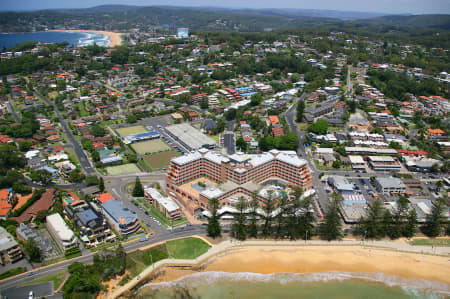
39, 273
117, 189
13, 112
84, 161
321, 195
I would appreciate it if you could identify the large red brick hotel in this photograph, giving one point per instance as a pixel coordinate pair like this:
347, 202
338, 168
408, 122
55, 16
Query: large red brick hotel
238, 173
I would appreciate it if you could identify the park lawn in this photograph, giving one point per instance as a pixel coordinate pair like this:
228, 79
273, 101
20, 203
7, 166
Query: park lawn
57, 279
12, 272
431, 242
160, 160
188, 248
138, 260
122, 169
131, 130
150, 146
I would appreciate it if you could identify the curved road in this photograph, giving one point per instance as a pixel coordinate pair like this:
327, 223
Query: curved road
55, 268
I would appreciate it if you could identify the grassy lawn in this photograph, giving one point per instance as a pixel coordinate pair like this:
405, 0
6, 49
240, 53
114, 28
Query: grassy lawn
216, 138
150, 146
138, 260
302, 126
12, 272
131, 130
159, 160
81, 111
431, 242
72, 156
122, 169
57, 279
188, 248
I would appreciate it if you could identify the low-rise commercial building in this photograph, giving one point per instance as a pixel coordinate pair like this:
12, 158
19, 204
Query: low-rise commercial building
10, 251
190, 137
166, 205
390, 185
382, 163
357, 162
61, 231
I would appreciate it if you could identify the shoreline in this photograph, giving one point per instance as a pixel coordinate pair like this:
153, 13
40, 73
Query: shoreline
320, 259
115, 38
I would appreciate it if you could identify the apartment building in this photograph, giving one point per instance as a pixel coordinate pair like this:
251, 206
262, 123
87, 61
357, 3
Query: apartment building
10, 251
61, 231
166, 205
93, 228
238, 172
121, 218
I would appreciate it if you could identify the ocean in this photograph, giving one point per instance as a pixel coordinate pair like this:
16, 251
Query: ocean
9, 40
224, 285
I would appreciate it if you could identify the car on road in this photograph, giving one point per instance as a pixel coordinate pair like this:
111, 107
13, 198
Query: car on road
143, 239
30, 295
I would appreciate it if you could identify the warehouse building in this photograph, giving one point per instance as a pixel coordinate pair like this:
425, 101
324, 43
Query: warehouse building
190, 137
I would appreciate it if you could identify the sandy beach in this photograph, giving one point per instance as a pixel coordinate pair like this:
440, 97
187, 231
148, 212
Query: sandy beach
312, 259
114, 37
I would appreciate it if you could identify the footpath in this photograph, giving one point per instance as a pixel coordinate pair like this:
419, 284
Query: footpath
228, 246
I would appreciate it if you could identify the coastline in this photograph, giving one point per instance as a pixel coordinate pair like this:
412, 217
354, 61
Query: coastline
318, 259
115, 38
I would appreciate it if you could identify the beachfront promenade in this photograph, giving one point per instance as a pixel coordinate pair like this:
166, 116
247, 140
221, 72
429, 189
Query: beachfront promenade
229, 246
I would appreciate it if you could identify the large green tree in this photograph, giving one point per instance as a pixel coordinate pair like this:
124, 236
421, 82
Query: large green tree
435, 221
331, 227
138, 190
213, 229
319, 127
32, 250
300, 111
238, 228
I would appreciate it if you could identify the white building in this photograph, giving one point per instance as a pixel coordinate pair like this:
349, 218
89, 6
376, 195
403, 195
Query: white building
61, 231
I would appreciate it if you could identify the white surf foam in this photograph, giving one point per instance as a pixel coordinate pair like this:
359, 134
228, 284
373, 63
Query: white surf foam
410, 286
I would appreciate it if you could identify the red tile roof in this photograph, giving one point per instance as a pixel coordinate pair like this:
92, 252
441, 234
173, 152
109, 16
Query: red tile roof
44, 203
104, 197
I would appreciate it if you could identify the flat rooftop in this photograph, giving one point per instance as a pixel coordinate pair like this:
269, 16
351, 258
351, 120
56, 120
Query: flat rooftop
192, 137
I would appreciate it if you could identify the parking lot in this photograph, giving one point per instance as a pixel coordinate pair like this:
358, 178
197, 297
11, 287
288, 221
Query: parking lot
159, 125
39, 290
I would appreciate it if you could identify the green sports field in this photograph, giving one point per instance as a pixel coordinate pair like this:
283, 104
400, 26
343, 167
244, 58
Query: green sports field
131, 130
122, 169
150, 146
159, 160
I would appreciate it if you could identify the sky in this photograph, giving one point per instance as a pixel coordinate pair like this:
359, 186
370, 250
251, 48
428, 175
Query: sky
379, 6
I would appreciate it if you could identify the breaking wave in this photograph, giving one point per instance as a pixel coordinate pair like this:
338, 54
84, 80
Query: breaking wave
89, 38
410, 286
